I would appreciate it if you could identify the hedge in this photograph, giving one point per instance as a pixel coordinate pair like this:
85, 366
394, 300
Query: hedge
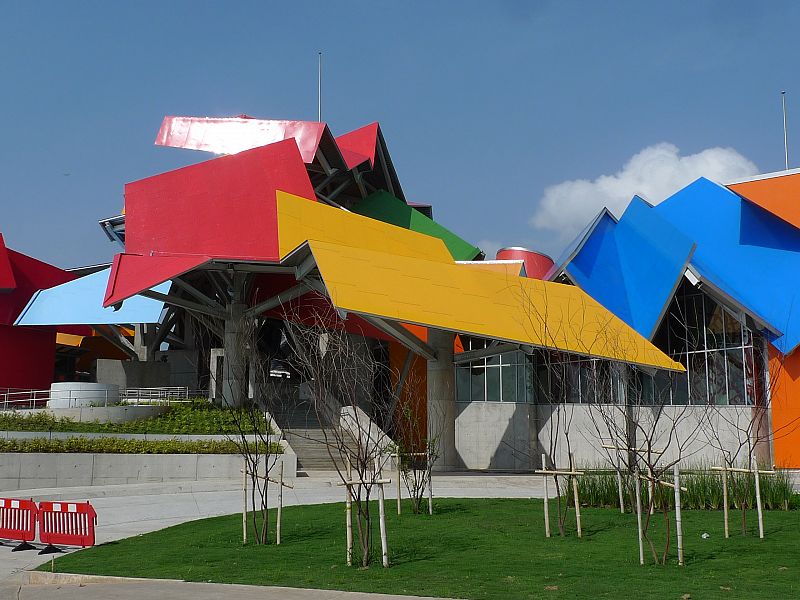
120, 446
198, 417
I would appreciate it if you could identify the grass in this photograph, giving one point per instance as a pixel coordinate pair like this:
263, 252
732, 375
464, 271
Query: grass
471, 548
122, 446
198, 417
598, 488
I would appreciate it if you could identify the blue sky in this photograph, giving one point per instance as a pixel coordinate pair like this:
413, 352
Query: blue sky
493, 112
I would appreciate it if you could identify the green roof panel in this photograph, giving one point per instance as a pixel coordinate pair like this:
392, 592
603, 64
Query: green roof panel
382, 206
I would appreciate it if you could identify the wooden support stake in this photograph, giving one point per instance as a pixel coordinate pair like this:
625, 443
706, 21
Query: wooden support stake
725, 501
575, 496
758, 502
349, 514
244, 503
619, 488
651, 488
280, 507
399, 474
546, 503
638, 494
429, 470
678, 522
382, 518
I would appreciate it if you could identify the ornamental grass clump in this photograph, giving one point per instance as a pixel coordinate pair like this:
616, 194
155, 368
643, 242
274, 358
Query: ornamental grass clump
598, 489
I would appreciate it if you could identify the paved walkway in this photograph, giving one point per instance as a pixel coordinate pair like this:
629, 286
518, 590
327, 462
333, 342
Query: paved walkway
128, 510
136, 589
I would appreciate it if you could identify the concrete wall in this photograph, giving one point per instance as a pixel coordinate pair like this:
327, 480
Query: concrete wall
22, 471
507, 436
496, 435
133, 374
183, 366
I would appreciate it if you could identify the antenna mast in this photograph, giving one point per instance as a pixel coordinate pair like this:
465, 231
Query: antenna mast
785, 136
319, 89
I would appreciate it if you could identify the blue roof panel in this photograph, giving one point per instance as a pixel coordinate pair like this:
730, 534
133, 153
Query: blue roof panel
747, 252
80, 302
633, 266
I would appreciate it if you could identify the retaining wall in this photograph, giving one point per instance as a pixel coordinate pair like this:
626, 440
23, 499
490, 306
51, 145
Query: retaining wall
19, 471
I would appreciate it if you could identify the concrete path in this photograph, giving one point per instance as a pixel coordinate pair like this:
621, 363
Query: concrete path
144, 589
128, 510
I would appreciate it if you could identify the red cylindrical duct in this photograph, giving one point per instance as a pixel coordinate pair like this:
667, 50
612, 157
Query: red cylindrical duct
536, 264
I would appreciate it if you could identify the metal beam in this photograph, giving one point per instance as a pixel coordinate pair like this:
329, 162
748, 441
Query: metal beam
165, 328
402, 335
385, 166
358, 176
334, 173
285, 296
198, 295
208, 324
324, 161
302, 270
119, 341
493, 350
183, 303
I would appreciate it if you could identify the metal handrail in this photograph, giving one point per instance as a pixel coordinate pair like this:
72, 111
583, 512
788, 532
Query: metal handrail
17, 399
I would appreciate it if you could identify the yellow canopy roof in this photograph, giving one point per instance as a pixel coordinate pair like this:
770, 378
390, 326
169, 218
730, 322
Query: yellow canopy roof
380, 270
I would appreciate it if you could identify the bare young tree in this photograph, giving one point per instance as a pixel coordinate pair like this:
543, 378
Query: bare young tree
343, 376
418, 441
256, 436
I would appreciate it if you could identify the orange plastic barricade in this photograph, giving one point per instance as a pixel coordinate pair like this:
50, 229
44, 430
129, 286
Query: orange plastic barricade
67, 523
18, 522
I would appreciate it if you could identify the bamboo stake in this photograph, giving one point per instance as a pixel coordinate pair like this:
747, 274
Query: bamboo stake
280, 507
397, 457
638, 494
725, 501
575, 495
546, 504
651, 486
244, 504
430, 487
382, 518
678, 522
619, 488
758, 503
349, 514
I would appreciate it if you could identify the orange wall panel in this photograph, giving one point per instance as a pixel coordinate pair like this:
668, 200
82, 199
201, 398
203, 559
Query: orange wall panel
410, 417
784, 375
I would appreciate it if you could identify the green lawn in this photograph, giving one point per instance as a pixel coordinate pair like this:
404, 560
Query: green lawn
468, 549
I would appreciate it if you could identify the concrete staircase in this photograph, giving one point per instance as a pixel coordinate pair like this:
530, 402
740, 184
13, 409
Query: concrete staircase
312, 450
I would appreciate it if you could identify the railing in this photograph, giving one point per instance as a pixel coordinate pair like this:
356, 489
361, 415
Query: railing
16, 399
156, 395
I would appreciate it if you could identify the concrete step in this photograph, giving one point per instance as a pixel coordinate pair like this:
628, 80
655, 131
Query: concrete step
311, 446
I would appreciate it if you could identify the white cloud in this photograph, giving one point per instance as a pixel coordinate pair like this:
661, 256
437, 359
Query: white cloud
654, 173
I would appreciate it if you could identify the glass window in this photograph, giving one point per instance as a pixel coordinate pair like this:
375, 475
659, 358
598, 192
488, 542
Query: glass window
493, 384
572, 382
477, 384
717, 386
508, 375
680, 388
462, 384
736, 387
698, 383
733, 331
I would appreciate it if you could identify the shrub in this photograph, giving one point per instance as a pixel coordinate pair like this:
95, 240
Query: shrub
121, 446
198, 417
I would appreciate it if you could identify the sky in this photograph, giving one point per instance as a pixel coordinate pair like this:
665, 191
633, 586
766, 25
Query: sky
518, 121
